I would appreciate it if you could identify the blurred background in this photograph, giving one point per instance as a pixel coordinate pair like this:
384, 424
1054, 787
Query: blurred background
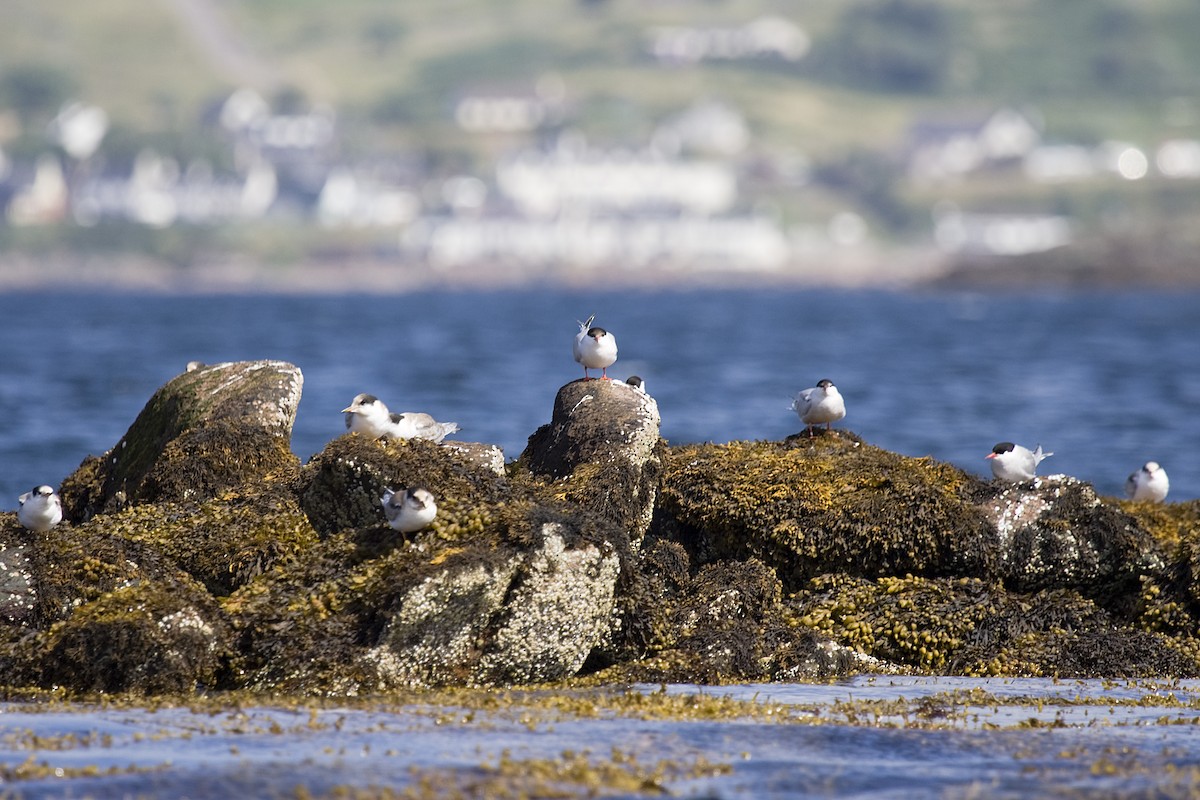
842, 142
979, 219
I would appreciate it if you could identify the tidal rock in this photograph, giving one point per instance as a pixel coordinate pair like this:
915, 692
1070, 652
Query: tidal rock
534, 616
144, 638
205, 430
1054, 532
603, 445
340, 487
17, 595
730, 622
832, 503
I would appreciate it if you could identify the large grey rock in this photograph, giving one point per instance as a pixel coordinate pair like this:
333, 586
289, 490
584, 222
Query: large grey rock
532, 616
603, 443
206, 429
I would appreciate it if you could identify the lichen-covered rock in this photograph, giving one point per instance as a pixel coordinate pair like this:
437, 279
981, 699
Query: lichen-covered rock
830, 503
225, 409
1054, 532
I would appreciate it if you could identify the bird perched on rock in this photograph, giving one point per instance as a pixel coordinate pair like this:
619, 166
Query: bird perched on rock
820, 404
39, 509
1148, 483
637, 383
594, 348
1011, 462
409, 510
368, 415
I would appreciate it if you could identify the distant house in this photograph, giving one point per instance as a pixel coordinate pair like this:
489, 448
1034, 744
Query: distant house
357, 199
1179, 158
709, 127
947, 149
41, 197
765, 37
157, 193
545, 183
511, 109
999, 234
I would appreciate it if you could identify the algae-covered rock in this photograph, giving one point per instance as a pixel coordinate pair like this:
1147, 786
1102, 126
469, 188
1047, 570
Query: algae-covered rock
238, 401
341, 486
974, 627
831, 503
603, 447
147, 637
525, 597
1055, 532
729, 623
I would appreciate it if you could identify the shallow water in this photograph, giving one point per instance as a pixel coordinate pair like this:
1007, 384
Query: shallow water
1106, 381
878, 737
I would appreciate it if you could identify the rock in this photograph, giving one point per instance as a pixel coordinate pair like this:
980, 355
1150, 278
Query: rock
1054, 532
145, 638
603, 445
228, 416
533, 617
340, 487
832, 503
17, 595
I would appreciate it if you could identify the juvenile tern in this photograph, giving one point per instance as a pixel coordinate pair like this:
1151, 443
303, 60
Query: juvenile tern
39, 509
408, 510
1148, 483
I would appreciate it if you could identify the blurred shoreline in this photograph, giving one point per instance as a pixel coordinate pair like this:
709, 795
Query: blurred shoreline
1104, 265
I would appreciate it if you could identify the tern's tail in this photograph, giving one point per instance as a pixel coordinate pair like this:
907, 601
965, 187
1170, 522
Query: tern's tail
1038, 455
585, 326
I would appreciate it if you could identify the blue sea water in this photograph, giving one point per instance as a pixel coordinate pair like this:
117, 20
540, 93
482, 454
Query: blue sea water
1106, 381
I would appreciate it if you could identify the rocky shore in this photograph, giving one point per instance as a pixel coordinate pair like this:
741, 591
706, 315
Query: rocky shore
199, 553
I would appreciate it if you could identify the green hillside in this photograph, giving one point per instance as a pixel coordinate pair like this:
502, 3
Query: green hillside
1094, 68
1089, 71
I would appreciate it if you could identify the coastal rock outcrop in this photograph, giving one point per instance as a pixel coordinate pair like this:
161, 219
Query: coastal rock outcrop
200, 553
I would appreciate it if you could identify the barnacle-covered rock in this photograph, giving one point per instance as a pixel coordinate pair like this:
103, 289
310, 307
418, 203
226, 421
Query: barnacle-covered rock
603, 451
1055, 532
514, 590
17, 595
830, 503
225, 408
